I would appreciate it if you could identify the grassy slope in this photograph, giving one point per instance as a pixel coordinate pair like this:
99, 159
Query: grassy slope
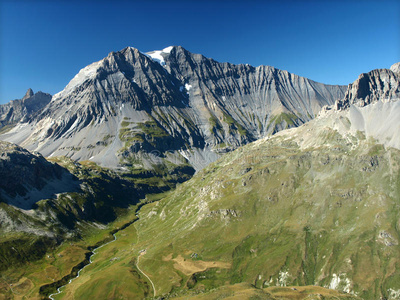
22, 283
248, 291
274, 213
326, 215
308, 208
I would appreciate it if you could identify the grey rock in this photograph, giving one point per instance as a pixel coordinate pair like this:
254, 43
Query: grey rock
175, 105
376, 85
29, 93
21, 109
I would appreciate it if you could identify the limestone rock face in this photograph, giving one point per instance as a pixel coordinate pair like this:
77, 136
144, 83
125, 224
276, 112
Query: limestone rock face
376, 85
22, 109
169, 103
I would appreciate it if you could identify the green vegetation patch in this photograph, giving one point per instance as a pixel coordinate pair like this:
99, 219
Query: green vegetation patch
6, 128
215, 124
288, 118
153, 129
234, 125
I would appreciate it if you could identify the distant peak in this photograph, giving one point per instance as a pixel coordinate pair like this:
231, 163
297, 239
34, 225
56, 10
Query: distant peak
29, 93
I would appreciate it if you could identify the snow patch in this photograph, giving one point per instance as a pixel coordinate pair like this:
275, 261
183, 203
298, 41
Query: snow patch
156, 55
188, 87
168, 49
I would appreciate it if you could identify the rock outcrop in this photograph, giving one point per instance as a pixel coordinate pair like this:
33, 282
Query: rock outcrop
376, 85
395, 68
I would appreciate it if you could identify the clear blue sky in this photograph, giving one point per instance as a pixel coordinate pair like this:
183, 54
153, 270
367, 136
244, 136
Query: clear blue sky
43, 44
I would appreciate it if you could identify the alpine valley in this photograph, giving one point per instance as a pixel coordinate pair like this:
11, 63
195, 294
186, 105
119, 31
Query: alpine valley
168, 175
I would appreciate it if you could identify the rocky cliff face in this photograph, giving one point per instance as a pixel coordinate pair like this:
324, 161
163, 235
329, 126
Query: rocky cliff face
376, 85
20, 110
372, 105
169, 104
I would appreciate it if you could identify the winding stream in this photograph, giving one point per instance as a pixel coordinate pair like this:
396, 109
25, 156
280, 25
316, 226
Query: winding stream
94, 251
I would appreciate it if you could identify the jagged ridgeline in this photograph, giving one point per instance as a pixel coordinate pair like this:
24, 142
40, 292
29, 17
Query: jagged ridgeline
134, 110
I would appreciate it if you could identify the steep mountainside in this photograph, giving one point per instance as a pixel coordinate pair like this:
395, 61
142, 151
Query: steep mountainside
20, 110
140, 109
313, 205
28, 177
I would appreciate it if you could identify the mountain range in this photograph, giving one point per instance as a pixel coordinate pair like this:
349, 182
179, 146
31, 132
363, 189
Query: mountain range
294, 195
169, 104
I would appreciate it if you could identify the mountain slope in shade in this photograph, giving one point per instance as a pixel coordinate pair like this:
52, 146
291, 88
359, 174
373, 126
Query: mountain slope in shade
133, 108
28, 177
20, 110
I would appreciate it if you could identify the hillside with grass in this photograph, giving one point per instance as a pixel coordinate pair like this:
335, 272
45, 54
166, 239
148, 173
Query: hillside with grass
313, 206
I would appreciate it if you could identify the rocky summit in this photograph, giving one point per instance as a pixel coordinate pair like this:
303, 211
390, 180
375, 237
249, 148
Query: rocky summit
168, 105
377, 85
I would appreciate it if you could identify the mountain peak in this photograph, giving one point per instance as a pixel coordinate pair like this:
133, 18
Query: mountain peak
133, 102
29, 93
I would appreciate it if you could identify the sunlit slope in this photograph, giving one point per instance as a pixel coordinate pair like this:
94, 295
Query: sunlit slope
316, 205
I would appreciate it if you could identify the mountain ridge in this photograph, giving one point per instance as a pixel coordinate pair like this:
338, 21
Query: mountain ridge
188, 104
312, 205
21, 109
